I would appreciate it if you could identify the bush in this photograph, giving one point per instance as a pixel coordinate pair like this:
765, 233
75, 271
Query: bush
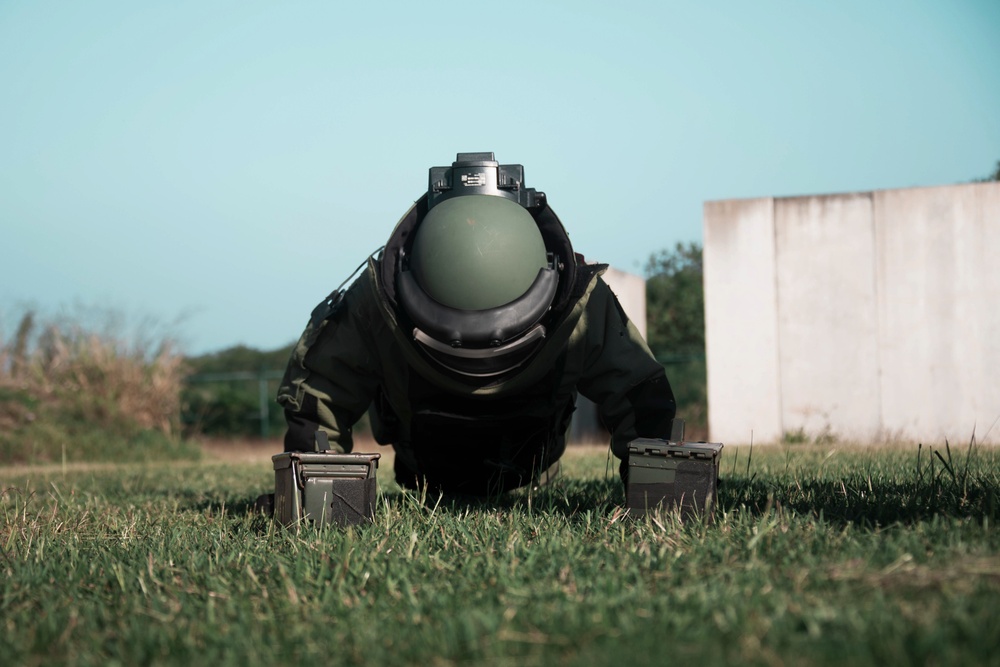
675, 324
72, 394
687, 377
223, 392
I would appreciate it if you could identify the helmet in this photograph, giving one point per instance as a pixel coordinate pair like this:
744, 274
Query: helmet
477, 279
476, 252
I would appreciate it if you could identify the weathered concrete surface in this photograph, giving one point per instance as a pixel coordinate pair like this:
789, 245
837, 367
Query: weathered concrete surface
939, 310
864, 316
827, 329
741, 335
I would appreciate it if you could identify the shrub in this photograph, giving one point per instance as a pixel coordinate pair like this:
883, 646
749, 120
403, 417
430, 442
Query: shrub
76, 394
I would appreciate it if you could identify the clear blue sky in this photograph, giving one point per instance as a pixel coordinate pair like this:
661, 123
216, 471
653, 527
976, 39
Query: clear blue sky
221, 166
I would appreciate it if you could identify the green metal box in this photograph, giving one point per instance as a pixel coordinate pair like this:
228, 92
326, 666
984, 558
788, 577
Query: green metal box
324, 488
667, 475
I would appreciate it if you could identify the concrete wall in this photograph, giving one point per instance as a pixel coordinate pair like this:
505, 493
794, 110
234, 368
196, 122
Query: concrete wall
863, 315
631, 292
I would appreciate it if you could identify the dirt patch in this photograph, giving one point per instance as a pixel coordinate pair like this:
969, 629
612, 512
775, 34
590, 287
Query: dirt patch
256, 450
248, 450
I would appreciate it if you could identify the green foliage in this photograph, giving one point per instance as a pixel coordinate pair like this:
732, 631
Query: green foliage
675, 302
995, 176
799, 437
241, 358
226, 408
222, 394
688, 379
675, 326
866, 557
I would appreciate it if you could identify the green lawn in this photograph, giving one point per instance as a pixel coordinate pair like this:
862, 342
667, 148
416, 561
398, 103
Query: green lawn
819, 555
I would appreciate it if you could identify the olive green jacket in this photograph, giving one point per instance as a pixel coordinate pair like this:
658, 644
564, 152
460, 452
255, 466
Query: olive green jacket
361, 358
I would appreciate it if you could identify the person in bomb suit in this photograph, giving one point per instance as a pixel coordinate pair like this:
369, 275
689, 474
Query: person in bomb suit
467, 339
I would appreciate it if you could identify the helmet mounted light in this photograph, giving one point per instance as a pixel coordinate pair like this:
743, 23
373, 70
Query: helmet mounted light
481, 174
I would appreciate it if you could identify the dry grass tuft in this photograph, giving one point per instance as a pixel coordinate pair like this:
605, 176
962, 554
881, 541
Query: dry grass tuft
67, 379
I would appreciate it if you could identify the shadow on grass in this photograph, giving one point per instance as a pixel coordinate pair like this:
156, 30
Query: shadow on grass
858, 501
864, 502
851, 498
566, 497
841, 502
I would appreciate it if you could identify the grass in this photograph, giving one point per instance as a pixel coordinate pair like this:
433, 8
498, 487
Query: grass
817, 556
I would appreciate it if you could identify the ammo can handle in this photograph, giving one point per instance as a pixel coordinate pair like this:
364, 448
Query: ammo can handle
299, 482
677, 430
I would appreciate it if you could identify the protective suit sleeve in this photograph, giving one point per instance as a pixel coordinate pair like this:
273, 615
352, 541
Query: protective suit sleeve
333, 372
621, 375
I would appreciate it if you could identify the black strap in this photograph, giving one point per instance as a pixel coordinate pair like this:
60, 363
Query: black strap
331, 304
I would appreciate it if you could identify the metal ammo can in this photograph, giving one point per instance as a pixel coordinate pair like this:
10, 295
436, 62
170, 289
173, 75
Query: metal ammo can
324, 488
663, 474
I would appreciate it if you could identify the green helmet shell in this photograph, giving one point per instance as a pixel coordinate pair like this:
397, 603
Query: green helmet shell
477, 252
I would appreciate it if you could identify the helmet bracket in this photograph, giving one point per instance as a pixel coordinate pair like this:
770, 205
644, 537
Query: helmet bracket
481, 174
